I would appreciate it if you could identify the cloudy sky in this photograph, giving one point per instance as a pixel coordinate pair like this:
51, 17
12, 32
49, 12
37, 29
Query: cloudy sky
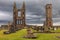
35, 10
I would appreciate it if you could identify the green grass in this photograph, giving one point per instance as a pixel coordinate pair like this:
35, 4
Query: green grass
19, 36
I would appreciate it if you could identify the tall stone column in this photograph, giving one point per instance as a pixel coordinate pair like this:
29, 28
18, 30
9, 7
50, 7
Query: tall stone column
48, 23
23, 14
49, 15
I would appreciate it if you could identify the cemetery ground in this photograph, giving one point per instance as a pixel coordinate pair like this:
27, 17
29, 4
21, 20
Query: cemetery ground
19, 35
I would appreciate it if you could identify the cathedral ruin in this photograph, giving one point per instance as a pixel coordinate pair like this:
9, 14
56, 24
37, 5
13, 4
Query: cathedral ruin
19, 16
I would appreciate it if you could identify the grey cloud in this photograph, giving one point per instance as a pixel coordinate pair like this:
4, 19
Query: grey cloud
35, 10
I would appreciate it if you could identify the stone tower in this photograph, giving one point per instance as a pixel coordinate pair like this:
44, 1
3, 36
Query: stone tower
19, 16
49, 15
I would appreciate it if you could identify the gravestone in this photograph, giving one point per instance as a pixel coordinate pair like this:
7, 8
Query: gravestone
37, 28
42, 29
54, 28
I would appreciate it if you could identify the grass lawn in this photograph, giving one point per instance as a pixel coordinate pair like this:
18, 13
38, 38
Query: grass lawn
19, 36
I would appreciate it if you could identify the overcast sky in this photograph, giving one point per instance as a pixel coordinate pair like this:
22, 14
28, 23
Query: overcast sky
35, 10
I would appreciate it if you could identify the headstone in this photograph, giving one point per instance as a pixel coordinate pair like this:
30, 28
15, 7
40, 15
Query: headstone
6, 32
37, 28
42, 29
55, 28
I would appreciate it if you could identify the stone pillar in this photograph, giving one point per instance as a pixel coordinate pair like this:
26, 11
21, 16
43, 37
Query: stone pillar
49, 15
14, 16
23, 14
48, 23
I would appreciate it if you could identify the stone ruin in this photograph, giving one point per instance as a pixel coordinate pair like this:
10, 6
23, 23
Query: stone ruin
48, 23
11, 29
18, 19
30, 34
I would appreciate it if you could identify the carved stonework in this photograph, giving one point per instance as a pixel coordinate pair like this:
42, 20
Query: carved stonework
19, 21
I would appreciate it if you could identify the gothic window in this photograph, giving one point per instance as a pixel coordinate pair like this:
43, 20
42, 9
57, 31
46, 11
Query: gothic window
21, 21
17, 22
19, 14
